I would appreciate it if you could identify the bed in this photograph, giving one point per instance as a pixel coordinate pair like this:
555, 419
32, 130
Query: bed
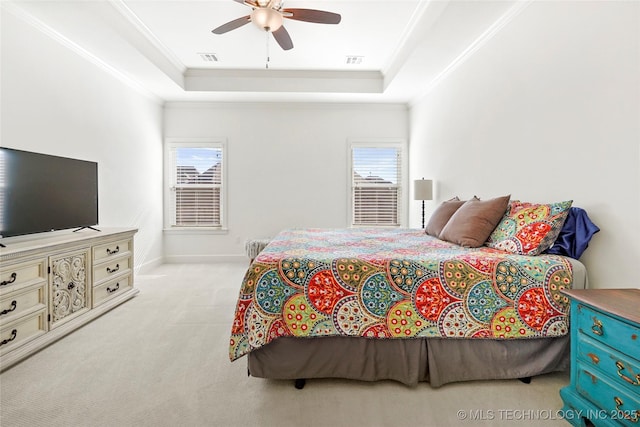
376, 304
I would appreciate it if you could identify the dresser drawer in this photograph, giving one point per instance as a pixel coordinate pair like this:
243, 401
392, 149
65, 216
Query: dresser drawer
112, 250
617, 334
111, 288
17, 304
16, 333
110, 269
620, 405
17, 276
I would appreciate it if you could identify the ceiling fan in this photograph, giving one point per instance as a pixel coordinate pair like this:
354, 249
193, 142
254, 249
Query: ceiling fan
269, 14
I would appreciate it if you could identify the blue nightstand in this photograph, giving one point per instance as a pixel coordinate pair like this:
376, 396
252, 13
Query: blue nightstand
605, 358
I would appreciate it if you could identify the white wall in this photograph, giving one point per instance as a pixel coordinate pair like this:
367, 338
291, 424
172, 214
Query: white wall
547, 110
287, 166
54, 101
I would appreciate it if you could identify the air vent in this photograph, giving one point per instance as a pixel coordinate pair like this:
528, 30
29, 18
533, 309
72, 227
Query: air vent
209, 57
354, 60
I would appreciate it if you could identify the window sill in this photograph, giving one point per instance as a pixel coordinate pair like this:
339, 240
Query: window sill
195, 231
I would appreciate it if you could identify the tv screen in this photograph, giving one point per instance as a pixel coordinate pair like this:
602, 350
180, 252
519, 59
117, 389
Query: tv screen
40, 192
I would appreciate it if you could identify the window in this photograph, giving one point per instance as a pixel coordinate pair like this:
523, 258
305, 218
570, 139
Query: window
377, 183
196, 184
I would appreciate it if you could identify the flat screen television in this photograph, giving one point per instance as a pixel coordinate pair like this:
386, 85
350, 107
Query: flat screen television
41, 192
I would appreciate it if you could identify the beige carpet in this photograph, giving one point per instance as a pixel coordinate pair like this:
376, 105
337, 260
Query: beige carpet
161, 359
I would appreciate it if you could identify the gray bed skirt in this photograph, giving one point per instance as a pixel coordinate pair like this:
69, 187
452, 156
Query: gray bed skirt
435, 360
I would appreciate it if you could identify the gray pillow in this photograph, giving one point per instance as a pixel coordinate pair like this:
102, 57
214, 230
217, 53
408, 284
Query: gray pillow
473, 222
441, 216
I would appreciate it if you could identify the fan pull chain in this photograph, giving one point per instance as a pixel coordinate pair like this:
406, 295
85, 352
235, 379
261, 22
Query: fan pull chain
266, 65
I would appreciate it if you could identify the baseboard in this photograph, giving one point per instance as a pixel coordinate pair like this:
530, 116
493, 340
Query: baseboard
148, 266
204, 259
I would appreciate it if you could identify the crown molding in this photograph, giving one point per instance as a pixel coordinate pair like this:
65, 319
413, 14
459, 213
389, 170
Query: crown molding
200, 79
333, 106
149, 45
487, 35
20, 13
424, 17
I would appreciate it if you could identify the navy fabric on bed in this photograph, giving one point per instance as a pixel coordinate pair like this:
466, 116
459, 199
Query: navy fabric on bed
575, 235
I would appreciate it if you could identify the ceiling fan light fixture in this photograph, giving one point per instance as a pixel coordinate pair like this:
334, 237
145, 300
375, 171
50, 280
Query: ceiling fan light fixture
268, 16
267, 19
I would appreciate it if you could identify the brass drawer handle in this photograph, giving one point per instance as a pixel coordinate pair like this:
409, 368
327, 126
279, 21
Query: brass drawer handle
112, 290
110, 270
14, 275
626, 414
14, 305
621, 368
597, 327
14, 334
115, 251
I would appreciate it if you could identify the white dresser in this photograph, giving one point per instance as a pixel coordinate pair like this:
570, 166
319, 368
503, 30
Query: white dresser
53, 283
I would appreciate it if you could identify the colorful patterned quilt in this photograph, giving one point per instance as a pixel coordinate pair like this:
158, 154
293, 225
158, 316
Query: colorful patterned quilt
396, 283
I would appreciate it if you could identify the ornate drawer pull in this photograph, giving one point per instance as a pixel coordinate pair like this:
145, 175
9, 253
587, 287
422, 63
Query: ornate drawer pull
597, 328
109, 270
71, 286
112, 290
14, 305
14, 275
621, 368
626, 414
14, 334
115, 251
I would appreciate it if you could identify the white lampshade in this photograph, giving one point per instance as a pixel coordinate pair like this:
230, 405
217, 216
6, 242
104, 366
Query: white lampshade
266, 19
422, 189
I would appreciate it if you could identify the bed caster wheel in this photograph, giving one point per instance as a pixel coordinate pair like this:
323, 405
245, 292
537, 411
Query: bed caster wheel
526, 380
299, 384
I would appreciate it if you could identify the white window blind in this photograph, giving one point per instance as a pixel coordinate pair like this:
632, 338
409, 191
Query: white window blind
376, 188
196, 185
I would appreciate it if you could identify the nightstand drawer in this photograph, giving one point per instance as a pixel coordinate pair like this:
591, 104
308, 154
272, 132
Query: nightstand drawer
619, 405
616, 334
17, 304
622, 370
17, 276
110, 289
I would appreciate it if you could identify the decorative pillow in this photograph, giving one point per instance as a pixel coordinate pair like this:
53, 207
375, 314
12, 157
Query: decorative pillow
474, 221
529, 228
441, 215
575, 235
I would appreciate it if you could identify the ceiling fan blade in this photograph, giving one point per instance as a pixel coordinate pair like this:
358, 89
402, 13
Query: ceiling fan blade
283, 38
250, 3
312, 15
232, 25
